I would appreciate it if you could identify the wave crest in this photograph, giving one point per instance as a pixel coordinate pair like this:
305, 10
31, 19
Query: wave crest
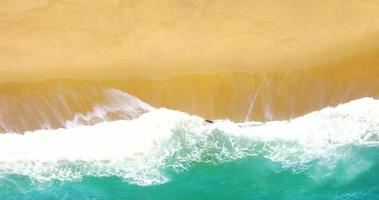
141, 150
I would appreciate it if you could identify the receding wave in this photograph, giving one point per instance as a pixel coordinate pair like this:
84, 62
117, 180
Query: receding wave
141, 151
54, 107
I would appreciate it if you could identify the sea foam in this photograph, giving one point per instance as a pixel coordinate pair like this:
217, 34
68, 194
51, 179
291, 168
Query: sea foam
141, 150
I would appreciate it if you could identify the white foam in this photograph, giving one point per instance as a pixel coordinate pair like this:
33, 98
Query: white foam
139, 149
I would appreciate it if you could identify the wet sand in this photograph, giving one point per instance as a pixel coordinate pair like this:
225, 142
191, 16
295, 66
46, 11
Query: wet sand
244, 60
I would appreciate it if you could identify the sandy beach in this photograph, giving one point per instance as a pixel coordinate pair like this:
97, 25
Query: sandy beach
216, 59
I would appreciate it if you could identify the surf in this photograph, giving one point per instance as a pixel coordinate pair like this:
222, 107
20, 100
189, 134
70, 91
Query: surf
140, 150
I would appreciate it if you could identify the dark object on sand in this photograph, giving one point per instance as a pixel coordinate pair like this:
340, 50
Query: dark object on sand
209, 121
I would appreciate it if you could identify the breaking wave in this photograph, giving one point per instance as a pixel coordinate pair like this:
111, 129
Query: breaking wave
143, 150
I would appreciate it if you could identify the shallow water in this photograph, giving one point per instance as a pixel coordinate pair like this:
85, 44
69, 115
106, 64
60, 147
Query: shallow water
164, 154
248, 178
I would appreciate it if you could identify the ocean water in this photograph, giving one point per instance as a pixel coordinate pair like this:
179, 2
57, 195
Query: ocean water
166, 154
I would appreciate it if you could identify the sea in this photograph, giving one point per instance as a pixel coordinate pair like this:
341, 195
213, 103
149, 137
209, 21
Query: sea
160, 153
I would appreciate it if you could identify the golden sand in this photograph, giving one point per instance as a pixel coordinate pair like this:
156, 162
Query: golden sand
238, 96
244, 59
96, 39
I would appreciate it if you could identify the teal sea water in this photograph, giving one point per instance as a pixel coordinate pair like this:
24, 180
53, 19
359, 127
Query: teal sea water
250, 178
164, 154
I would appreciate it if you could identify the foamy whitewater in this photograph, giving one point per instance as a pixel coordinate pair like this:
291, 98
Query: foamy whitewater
165, 154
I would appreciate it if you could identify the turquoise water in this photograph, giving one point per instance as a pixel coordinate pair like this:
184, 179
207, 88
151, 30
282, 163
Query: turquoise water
165, 154
248, 178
